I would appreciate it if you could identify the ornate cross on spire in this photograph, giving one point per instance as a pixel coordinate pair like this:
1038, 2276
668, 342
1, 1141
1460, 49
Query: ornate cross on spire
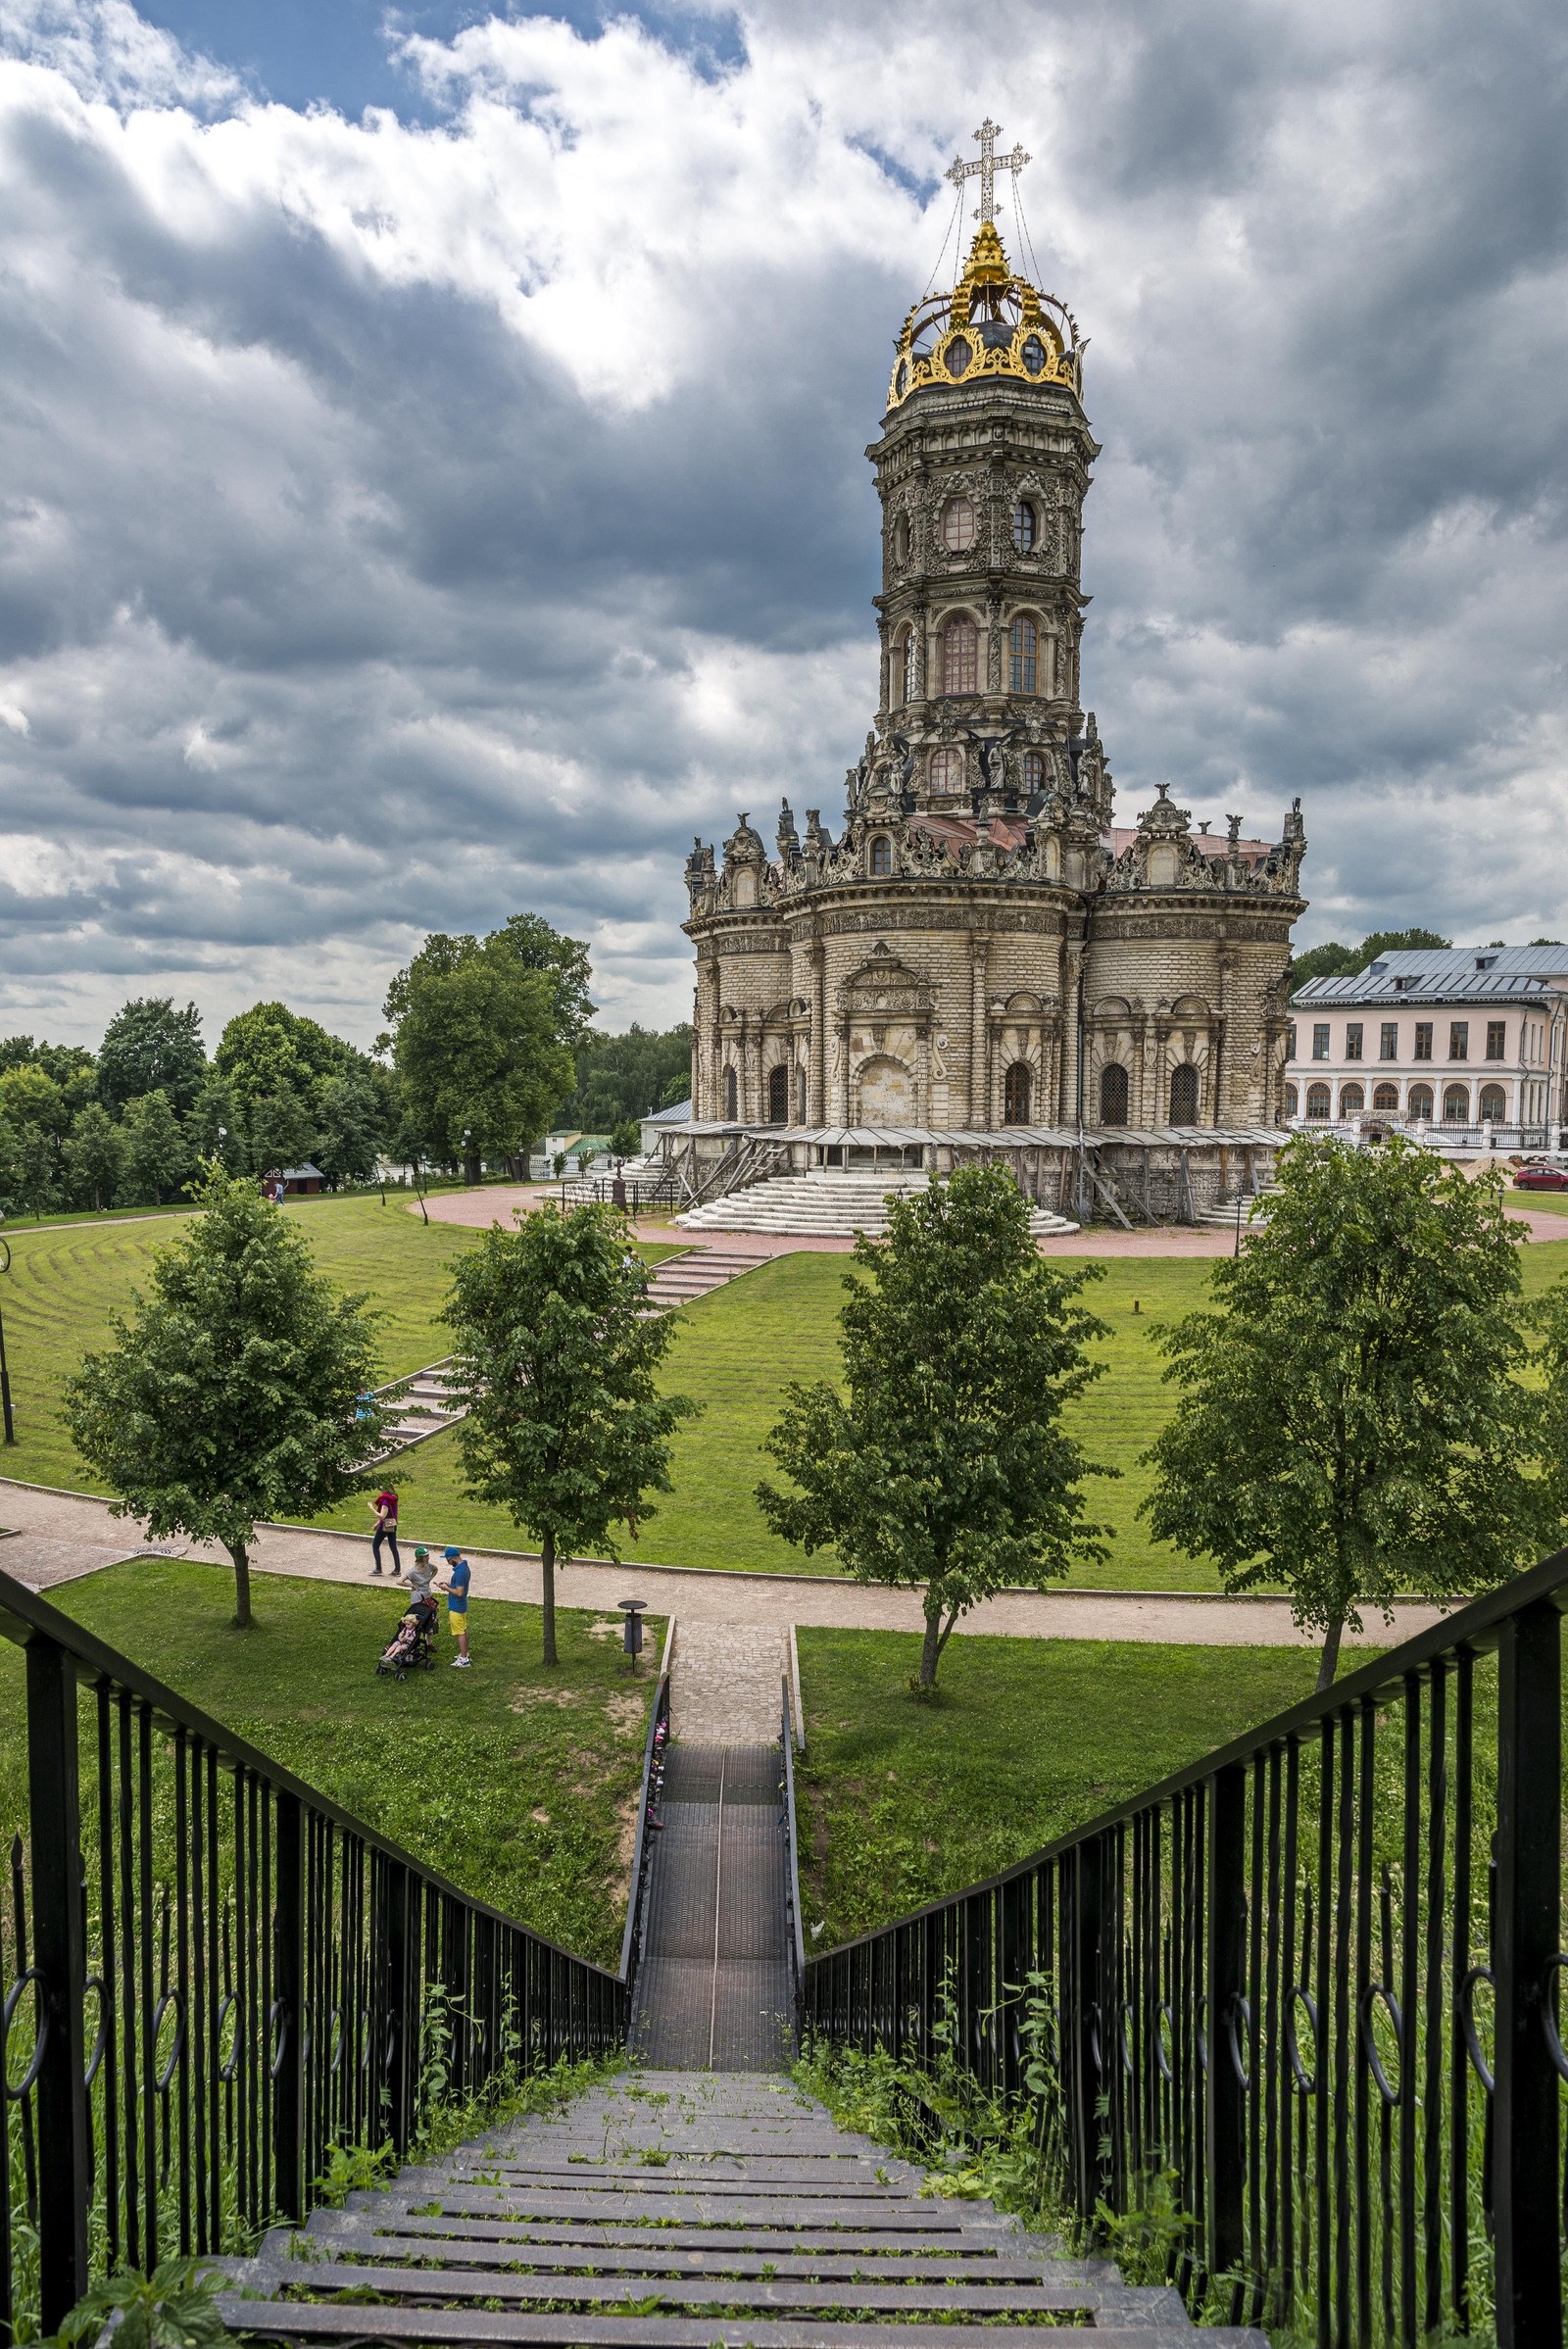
985, 169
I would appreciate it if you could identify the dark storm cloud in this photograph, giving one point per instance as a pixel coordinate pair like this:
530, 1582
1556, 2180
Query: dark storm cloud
406, 522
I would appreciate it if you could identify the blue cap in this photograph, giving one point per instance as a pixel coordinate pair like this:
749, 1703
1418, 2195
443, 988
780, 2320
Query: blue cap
452, 1553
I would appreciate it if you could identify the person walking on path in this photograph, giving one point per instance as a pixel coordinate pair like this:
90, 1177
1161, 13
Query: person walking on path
455, 1588
384, 1509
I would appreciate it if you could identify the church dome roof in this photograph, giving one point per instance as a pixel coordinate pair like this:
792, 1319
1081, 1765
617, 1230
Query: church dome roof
993, 324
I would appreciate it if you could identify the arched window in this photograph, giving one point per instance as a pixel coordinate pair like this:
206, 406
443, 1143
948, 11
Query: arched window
1318, 1101
1493, 1103
1025, 526
800, 1097
911, 666
957, 526
1353, 1100
901, 539
960, 657
946, 772
1184, 1095
1419, 1104
1386, 1097
1456, 1105
880, 863
1290, 1106
1034, 770
1016, 1095
778, 1095
1024, 647
1114, 1095
732, 1095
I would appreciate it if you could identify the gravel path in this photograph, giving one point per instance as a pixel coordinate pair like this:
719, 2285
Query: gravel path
60, 1536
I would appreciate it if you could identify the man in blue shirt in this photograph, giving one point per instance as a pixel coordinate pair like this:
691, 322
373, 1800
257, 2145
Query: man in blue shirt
455, 1588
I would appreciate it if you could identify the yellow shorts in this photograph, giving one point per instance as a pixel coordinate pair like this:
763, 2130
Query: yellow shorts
457, 1623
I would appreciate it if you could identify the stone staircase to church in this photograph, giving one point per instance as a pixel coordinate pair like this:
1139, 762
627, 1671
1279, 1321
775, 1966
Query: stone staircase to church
827, 1204
1223, 1212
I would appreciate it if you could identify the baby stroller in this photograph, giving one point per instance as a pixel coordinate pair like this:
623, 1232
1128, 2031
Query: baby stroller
412, 1643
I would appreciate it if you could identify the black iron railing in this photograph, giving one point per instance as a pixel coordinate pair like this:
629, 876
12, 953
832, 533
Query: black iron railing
656, 1753
1306, 1993
792, 1872
214, 1975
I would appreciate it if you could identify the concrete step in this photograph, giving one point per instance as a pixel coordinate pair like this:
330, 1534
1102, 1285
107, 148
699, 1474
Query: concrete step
829, 1204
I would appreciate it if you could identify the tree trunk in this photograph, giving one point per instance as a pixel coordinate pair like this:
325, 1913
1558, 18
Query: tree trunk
242, 1584
547, 1559
1329, 1661
931, 1646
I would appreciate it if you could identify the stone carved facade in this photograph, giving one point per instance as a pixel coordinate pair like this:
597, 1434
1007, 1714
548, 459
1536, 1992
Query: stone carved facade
980, 947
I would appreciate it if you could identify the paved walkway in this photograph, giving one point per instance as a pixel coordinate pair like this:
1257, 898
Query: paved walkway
725, 1681
60, 1536
497, 1202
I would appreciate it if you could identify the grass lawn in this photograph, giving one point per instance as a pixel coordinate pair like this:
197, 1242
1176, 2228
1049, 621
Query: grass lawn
902, 1802
520, 1783
1555, 1202
735, 1351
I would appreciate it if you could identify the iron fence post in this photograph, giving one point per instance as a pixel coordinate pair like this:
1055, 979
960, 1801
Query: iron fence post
60, 1954
1224, 2115
1524, 2180
397, 1977
1086, 2041
288, 1991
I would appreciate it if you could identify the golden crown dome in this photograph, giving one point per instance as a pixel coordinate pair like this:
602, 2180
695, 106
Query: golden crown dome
993, 324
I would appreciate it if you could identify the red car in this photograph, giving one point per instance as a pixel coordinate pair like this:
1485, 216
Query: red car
1541, 1178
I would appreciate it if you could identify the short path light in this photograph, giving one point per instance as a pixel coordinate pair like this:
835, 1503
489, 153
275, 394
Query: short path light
631, 1639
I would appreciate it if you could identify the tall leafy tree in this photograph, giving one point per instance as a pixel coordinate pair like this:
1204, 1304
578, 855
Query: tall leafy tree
1349, 1420
528, 940
217, 1127
356, 1117
28, 1164
557, 1355
944, 1465
149, 1047
29, 1096
94, 1157
478, 1049
230, 1393
1549, 1316
272, 1050
282, 1128
154, 1158
621, 1077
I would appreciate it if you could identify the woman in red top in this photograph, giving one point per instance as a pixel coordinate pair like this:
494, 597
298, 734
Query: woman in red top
385, 1508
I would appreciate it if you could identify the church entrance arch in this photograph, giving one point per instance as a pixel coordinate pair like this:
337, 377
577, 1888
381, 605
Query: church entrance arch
778, 1095
1114, 1095
885, 1093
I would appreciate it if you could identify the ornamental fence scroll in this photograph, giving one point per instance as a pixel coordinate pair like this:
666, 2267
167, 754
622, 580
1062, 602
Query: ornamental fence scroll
1304, 1995
214, 1975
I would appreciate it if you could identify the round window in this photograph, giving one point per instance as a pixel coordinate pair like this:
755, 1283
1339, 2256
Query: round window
957, 526
1034, 355
1025, 526
959, 357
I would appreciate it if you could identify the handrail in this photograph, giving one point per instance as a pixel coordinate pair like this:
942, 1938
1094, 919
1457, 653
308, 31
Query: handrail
270, 1976
631, 1940
1260, 1981
792, 1880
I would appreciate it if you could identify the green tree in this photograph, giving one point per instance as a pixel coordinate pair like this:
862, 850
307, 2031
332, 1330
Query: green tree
620, 1077
356, 1114
529, 940
94, 1157
155, 1159
272, 1050
1549, 1316
679, 1089
945, 1464
556, 1350
149, 1047
28, 1096
232, 1393
477, 1047
28, 1160
282, 1129
217, 1127
1349, 1421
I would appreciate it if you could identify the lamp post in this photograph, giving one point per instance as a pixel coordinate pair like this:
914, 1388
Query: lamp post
5, 1371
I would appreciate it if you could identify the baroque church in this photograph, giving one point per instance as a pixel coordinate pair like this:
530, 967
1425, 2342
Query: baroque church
982, 959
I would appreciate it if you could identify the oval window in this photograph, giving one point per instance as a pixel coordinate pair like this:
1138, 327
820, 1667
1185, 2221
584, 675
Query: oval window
1034, 355
959, 357
957, 526
1025, 526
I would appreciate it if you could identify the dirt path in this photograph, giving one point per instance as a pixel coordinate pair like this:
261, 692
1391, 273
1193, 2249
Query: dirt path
497, 1202
57, 1537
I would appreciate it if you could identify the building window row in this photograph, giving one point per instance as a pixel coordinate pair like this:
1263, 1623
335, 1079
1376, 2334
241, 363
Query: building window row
1490, 1104
1422, 1043
1115, 1094
957, 665
960, 526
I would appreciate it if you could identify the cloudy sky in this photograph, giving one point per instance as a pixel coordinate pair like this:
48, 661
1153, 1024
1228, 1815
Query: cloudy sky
432, 475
